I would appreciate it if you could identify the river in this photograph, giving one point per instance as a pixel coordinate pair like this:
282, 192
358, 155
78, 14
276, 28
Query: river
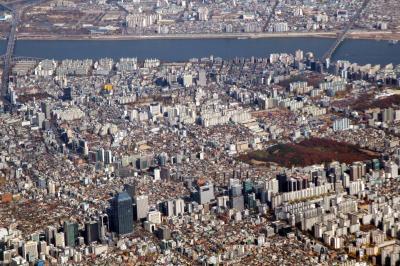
358, 51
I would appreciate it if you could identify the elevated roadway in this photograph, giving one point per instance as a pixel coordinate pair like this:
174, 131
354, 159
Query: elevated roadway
342, 36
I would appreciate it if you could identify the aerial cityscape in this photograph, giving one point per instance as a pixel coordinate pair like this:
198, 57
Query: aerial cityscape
188, 132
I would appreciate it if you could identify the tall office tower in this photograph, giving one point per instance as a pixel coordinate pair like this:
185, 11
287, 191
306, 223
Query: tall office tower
202, 78
43, 247
108, 157
284, 182
204, 194
50, 233
101, 155
92, 232
121, 214
30, 251
237, 203
46, 109
236, 198
250, 201
40, 119
59, 240
83, 147
70, 233
179, 206
392, 168
247, 186
167, 208
142, 207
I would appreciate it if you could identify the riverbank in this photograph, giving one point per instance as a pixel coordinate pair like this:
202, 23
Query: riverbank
367, 35
175, 50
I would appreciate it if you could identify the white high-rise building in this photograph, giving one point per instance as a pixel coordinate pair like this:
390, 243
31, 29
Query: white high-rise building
157, 174
281, 27
179, 206
202, 78
393, 169
299, 55
51, 187
203, 13
341, 124
30, 251
60, 240
187, 80
142, 206
141, 20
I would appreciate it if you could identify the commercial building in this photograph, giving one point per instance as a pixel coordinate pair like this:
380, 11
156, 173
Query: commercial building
122, 214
